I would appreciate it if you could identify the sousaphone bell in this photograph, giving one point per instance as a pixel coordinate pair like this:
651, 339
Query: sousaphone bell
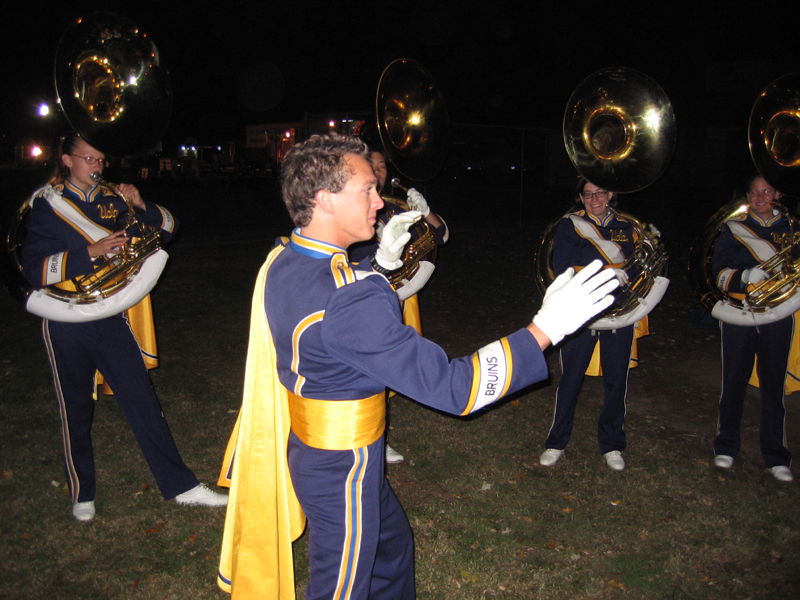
414, 130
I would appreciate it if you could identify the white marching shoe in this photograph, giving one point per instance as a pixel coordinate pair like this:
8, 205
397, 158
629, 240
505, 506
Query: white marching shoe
550, 457
83, 511
781, 473
614, 460
200, 495
393, 456
723, 461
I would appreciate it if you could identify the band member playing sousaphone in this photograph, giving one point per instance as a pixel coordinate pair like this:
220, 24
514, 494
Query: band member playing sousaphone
745, 243
594, 231
619, 132
73, 223
91, 252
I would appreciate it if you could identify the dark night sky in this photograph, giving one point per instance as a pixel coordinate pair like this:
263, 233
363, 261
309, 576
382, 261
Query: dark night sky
505, 63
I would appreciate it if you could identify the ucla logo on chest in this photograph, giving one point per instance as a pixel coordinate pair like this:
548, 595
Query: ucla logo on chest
617, 235
108, 212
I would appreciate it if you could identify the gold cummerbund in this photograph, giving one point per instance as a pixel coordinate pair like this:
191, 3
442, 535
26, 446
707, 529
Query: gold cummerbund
338, 424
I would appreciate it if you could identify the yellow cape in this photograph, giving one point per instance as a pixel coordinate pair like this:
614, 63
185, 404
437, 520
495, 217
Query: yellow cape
264, 515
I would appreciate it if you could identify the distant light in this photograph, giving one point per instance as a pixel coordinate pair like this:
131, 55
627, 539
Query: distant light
288, 134
44, 110
36, 151
513, 168
331, 123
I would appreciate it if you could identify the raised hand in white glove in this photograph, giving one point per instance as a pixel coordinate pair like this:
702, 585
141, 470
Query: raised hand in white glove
621, 276
572, 299
395, 237
416, 201
754, 275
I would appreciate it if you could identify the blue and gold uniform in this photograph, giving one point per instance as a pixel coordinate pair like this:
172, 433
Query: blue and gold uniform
744, 245
581, 238
55, 251
339, 343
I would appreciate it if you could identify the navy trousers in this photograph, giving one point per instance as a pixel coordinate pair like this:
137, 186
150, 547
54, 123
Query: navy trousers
740, 346
76, 350
615, 357
360, 544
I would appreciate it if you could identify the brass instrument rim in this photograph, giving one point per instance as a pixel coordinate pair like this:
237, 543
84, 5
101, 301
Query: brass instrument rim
648, 121
780, 100
421, 115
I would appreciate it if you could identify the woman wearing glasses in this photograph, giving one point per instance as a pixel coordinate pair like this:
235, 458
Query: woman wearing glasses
593, 231
741, 247
65, 234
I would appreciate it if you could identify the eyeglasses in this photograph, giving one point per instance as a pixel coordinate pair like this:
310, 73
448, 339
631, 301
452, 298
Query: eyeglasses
600, 195
767, 193
91, 160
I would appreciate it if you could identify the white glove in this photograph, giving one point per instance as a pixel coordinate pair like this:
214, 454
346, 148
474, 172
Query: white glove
754, 275
379, 229
395, 237
571, 300
416, 201
653, 230
621, 276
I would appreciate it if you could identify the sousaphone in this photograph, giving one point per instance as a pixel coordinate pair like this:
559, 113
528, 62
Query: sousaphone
774, 138
414, 129
619, 131
114, 90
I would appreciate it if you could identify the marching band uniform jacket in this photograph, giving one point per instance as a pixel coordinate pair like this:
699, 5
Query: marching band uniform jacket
736, 250
339, 343
55, 250
580, 239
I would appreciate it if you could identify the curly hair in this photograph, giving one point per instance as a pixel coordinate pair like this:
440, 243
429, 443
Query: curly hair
317, 164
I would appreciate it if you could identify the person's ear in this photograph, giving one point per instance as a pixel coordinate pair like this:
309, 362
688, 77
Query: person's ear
324, 199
